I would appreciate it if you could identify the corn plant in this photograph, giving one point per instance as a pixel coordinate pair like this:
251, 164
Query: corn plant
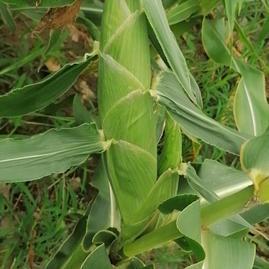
143, 109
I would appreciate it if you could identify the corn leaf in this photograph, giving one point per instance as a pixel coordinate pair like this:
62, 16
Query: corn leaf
227, 252
103, 212
222, 179
99, 216
192, 119
213, 37
133, 166
54, 151
251, 110
71, 252
36, 96
181, 11
171, 155
97, 259
157, 18
250, 104
254, 160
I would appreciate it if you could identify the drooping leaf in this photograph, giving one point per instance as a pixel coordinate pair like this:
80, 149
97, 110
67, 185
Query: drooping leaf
157, 18
250, 104
251, 110
36, 96
192, 119
54, 151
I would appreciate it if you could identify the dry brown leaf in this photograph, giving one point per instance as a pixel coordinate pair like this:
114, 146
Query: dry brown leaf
57, 18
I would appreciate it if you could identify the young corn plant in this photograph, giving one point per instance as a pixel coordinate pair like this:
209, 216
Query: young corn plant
147, 196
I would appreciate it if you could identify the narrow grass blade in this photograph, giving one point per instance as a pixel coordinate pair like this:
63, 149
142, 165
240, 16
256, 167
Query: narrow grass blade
33, 97
54, 151
231, 7
7, 17
36, 52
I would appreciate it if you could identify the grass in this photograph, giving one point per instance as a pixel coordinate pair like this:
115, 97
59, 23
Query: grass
36, 217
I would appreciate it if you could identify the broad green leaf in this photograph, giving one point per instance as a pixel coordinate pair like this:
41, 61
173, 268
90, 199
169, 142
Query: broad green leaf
222, 179
157, 18
131, 175
251, 110
175, 230
227, 252
254, 160
38, 3
181, 11
54, 151
226, 207
125, 120
97, 259
36, 96
213, 37
192, 119
164, 188
192, 233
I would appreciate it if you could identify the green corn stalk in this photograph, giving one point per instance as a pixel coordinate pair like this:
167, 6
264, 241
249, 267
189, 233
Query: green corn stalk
126, 107
128, 117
